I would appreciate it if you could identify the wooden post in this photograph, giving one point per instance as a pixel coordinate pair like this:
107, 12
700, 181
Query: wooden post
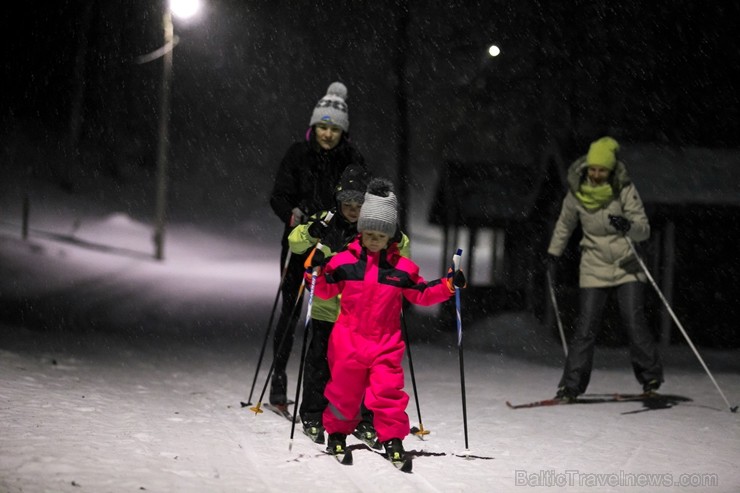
26, 213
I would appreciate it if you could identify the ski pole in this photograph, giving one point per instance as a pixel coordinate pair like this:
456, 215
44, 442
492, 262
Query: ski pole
269, 325
421, 431
257, 409
314, 275
675, 319
557, 312
456, 267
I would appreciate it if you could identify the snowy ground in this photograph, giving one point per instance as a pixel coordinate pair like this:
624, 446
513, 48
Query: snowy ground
119, 373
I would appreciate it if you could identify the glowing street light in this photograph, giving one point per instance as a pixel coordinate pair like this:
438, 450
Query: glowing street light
494, 51
184, 9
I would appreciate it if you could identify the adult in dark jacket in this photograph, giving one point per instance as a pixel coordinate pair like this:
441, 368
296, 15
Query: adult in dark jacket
304, 185
605, 202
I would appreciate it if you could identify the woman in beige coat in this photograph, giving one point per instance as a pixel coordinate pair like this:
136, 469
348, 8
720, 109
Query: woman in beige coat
606, 203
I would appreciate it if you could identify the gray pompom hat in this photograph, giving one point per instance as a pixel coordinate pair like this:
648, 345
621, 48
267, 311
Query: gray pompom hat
380, 210
332, 109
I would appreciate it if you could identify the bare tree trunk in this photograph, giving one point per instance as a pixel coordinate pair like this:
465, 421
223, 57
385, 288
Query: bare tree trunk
76, 114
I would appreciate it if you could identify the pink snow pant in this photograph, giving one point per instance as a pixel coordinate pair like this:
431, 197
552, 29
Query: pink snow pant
366, 367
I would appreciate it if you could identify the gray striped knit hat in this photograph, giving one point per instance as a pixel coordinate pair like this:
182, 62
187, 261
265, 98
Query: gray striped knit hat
380, 210
332, 108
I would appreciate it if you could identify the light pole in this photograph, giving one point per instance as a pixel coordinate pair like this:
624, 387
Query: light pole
160, 214
181, 8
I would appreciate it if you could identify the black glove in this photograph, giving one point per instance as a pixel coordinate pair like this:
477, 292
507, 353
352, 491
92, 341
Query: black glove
317, 229
620, 223
455, 279
550, 261
458, 280
317, 258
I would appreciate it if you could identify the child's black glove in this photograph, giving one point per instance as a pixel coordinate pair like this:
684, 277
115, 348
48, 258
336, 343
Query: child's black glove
318, 229
317, 258
455, 279
458, 280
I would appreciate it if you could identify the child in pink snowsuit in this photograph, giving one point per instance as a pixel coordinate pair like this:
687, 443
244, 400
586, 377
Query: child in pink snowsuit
366, 347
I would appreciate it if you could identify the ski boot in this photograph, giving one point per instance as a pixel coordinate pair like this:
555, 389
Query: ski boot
337, 447
365, 431
395, 453
278, 389
314, 430
566, 395
651, 387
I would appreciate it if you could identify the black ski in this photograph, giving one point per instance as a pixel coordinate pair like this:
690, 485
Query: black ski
586, 399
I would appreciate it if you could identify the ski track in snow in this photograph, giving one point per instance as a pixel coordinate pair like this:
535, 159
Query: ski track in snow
132, 418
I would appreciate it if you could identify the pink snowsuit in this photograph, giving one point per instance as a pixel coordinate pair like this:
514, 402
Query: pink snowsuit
365, 347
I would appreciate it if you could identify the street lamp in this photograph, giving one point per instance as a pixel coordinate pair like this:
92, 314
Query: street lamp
182, 9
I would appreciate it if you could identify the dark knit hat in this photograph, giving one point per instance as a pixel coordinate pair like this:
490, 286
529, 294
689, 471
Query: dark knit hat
352, 184
332, 108
380, 210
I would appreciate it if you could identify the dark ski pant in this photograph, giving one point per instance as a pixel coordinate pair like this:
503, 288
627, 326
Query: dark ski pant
316, 375
643, 350
289, 311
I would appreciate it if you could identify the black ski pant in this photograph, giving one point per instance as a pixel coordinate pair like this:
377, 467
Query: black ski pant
290, 309
316, 375
646, 362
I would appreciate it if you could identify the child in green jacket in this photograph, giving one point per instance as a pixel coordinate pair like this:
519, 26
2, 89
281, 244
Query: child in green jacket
334, 236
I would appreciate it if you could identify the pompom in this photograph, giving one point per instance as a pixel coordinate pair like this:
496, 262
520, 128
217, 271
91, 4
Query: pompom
338, 89
380, 187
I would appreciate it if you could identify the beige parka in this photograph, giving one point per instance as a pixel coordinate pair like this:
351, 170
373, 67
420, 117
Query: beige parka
606, 258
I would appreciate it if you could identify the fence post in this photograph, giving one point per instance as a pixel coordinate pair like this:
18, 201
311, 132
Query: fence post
24, 222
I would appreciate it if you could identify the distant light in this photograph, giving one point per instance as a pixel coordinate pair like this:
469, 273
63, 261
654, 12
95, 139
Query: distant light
184, 9
494, 50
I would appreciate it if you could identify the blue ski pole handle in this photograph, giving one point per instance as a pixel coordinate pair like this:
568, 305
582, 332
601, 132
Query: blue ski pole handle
455, 267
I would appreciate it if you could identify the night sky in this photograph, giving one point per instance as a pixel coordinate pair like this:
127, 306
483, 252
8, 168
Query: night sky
247, 74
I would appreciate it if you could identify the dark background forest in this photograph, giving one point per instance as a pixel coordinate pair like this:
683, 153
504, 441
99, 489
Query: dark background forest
246, 75
79, 107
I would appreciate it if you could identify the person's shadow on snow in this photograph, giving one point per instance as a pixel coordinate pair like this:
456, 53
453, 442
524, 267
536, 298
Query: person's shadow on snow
659, 401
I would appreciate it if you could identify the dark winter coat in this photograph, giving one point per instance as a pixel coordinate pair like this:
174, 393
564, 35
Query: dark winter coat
307, 177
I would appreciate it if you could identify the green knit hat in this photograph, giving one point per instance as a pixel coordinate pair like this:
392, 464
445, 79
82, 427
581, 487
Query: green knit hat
603, 153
